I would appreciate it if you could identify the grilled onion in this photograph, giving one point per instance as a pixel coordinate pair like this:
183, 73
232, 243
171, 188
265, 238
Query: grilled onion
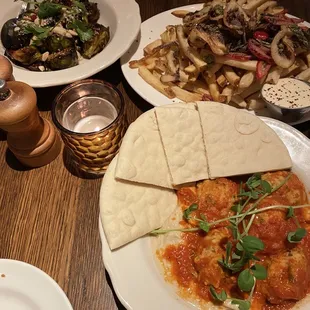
285, 56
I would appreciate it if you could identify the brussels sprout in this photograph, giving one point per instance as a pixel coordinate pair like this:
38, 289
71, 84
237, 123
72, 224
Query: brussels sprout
62, 60
25, 56
97, 43
93, 12
55, 43
12, 37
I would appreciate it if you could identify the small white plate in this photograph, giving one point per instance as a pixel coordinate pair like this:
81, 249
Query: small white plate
123, 18
134, 272
25, 287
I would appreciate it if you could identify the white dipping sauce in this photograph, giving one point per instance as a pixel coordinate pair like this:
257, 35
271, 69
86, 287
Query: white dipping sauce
288, 93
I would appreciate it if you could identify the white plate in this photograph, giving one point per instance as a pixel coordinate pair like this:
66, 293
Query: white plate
150, 31
134, 273
123, 18
25, 287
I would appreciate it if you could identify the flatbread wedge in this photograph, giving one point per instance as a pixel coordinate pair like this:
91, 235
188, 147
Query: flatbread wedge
181, 135
129, 211
239, 143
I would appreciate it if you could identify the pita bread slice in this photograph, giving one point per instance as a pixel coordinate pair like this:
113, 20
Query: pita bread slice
181, 135
238, 142
129, 210
141, 156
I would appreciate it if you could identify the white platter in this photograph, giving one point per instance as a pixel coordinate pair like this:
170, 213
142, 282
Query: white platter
25, 287
150, 31
123, 18
133, 269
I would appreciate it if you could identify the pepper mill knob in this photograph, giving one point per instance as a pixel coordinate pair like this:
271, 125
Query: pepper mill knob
6, 69
32, 139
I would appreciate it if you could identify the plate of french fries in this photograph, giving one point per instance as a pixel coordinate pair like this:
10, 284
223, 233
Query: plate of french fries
221, 51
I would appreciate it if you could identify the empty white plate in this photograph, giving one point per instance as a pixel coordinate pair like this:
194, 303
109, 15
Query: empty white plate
25, 287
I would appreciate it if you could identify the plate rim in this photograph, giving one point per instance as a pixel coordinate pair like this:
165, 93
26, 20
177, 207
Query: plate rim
42, 274
104, 245
64, 77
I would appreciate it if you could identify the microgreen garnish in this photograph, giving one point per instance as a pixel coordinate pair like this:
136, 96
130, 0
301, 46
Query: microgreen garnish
222, 296
242, 304
80, 5
84, 32
296, 236
49, 9
193, 207
40, 33
246, 280
259, 272
290, 213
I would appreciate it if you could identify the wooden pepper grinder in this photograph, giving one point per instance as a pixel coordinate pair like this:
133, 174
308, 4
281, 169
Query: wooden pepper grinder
6, 69
32, 139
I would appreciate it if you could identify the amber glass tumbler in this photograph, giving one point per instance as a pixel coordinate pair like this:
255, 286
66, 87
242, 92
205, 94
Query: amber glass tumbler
90, 116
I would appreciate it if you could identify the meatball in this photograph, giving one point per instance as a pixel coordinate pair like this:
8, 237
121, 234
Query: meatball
288, 275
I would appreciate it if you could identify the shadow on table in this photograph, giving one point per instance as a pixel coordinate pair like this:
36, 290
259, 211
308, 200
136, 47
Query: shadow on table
118, 303
73, 169
13, 162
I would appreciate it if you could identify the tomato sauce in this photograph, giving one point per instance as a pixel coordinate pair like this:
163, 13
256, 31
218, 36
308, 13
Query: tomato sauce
194, 261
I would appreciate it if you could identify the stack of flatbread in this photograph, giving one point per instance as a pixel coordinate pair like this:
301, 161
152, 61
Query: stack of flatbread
174, 145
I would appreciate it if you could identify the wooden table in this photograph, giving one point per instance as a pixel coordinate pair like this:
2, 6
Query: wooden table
49, 216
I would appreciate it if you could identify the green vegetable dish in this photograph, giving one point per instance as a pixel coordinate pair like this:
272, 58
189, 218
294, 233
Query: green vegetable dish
54, 34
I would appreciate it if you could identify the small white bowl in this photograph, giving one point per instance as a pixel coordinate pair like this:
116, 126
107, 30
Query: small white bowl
123, 18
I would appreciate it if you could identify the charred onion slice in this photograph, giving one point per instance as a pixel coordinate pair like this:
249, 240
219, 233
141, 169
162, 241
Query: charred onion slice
216, 12
214, 38
259, 51
282, 49
282, 20
234, 16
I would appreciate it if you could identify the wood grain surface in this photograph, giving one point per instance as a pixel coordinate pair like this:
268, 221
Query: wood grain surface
49, 216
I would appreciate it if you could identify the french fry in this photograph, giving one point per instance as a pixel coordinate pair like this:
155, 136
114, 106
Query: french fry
155, 82
228, 93
305, 75
179, 13
157, 74
247, 80
255, 87
213, 88
151, 66
160, 65
297, 67
150, 47
308, 58
239, 101
241, 2
231, 76
214, 69
198, 87
255, 102
221, 80
274, 75
251, 6
185, 95
267, 5
190, 69
190, 52
169, 35
249, 65
171, 62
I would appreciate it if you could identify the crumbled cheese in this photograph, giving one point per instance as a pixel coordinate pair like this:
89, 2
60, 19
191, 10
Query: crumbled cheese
45, 56
41, 68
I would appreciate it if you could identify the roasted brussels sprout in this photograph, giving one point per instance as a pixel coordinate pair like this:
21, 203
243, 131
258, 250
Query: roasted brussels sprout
64, 59
93, 12
97, 43
12, 37
25, 56
57, 43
